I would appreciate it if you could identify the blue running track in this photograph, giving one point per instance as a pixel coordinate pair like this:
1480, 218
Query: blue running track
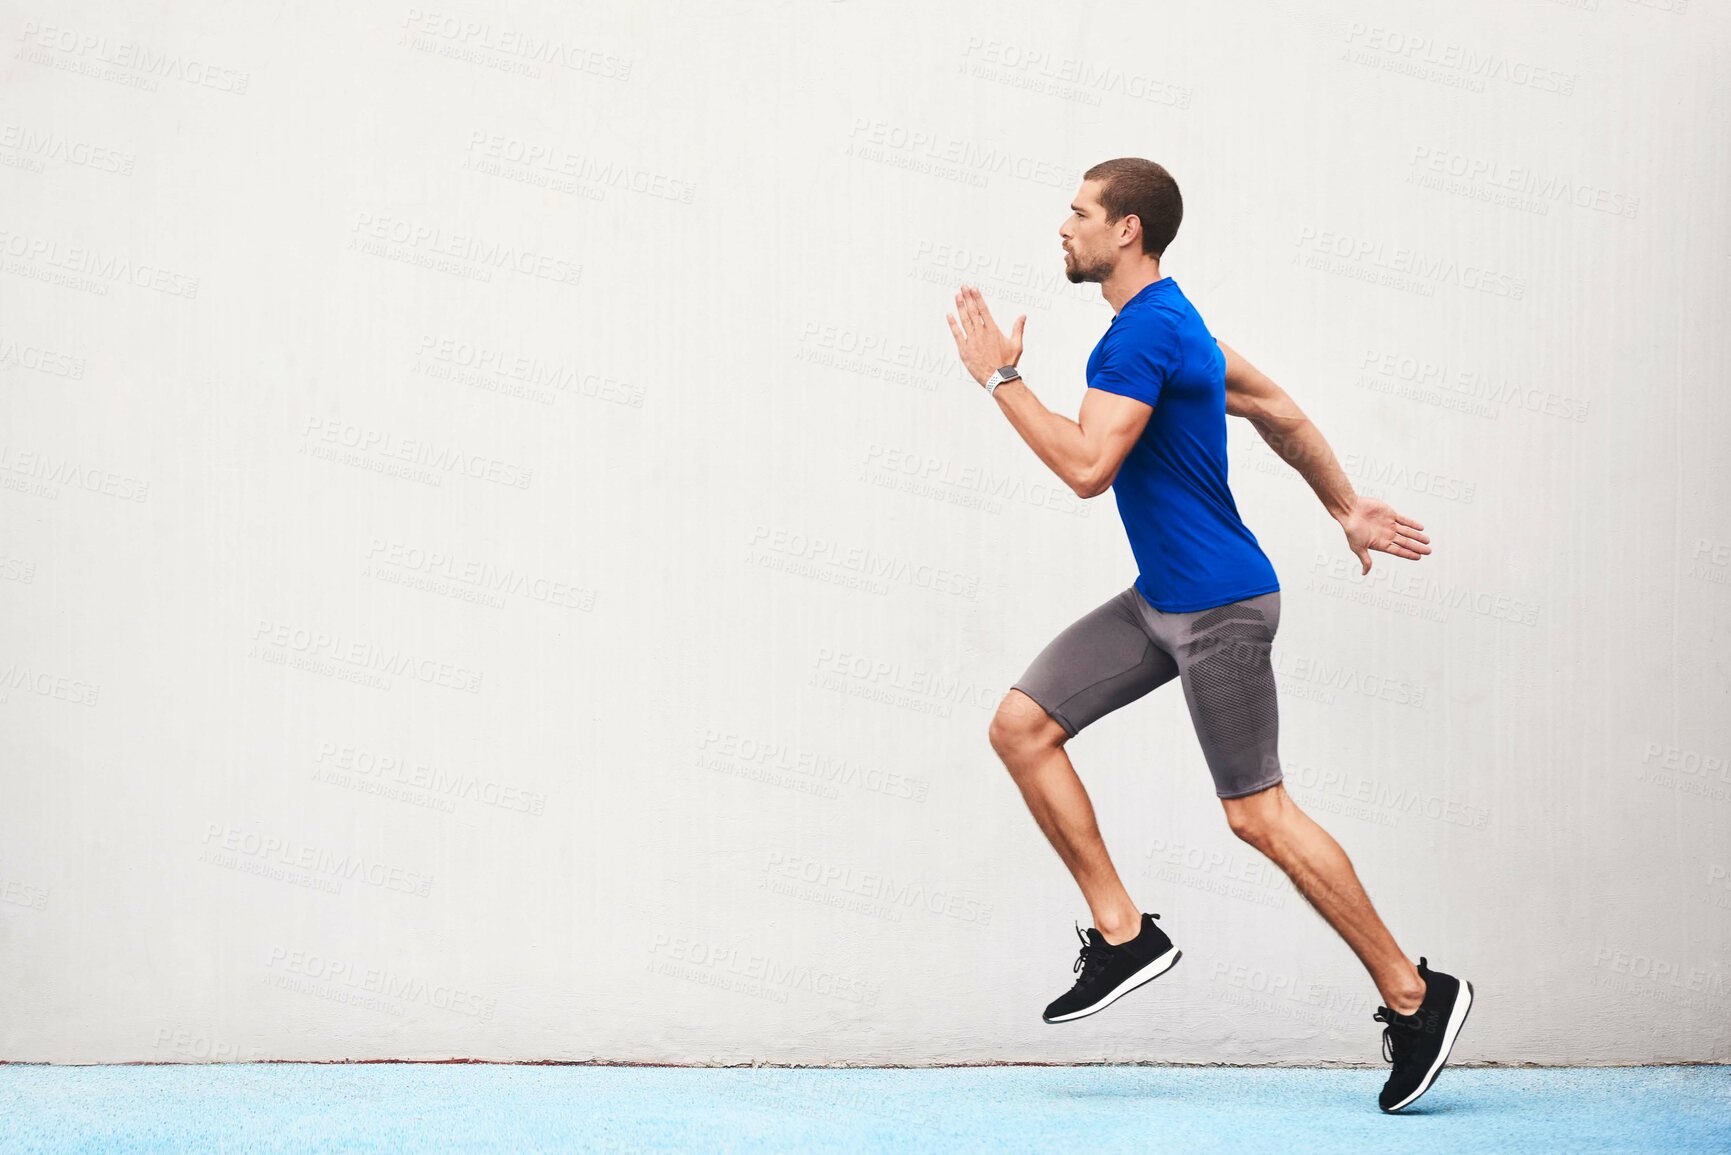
409, 1107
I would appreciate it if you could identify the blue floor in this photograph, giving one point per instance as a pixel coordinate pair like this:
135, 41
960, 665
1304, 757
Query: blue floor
401, 1107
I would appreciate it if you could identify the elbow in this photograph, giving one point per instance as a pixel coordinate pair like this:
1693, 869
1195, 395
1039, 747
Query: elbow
1090, 483
1256, 410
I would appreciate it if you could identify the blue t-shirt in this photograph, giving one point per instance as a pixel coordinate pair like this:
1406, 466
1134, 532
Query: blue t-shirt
1193, 550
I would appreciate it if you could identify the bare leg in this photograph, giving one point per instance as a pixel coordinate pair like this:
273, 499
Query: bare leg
1031, 744
1271, 821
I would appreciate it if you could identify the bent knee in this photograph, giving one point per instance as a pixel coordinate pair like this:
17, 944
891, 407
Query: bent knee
1021, 724
1248, 825
1255, 818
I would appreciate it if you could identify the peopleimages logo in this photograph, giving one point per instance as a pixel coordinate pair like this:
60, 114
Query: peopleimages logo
731, 968
96, 264
877, 139
1424, 590
364, 656
47, 685
1428, 58
413, 451
372, 232
1472, 384
360, 978
34, 357
554, 161
35, 146
925, 475
867, 563
50, 472
523, 45
1522, 179
1423, 268
779, 763
397, 770
1060, 75
139, 58
474, 576
874, 886
895, 676
317, 861
1663, 972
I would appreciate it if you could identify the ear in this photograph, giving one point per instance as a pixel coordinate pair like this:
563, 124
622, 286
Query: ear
1129, 228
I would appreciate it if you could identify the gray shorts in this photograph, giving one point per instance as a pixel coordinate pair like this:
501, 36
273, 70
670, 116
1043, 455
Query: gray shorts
1118, 652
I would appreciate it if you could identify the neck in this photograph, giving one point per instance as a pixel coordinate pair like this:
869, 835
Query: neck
1128, 279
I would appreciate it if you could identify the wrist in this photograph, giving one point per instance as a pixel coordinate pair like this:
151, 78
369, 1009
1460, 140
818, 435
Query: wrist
1000, 376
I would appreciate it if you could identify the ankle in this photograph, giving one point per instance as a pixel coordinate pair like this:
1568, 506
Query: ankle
1119, 929
1406, 998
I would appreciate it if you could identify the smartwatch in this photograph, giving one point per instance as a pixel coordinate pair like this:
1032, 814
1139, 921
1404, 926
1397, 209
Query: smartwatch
999, 376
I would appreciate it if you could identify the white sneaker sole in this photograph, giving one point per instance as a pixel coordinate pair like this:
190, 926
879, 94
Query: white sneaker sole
1147, 974
1457, 1019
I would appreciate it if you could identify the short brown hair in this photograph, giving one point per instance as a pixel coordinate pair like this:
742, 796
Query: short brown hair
1130, 185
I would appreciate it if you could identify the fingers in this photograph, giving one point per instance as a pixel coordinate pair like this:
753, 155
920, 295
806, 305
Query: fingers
1399, 548
1403, 544
976, 319
1364, 558
971, 321
1407, 526
978, 315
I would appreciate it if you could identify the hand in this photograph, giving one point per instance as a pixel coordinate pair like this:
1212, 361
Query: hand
1373, 524
983, 347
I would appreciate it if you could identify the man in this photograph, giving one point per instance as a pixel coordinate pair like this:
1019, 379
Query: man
1204, 607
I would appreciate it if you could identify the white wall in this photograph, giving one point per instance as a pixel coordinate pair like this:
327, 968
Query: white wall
458, 605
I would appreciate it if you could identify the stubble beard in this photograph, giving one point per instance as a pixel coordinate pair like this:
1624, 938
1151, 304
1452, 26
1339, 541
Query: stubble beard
1079, 273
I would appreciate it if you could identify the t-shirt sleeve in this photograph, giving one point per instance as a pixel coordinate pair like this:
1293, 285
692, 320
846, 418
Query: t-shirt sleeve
1137, 364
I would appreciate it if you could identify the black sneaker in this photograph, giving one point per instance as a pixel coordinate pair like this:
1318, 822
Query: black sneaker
1418, 1044
1111, 972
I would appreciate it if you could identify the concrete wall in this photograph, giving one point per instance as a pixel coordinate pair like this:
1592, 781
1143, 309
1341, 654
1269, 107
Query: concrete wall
500, 558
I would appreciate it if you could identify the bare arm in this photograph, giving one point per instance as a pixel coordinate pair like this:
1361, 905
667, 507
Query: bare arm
1084, 453
1253, 395
1369, 522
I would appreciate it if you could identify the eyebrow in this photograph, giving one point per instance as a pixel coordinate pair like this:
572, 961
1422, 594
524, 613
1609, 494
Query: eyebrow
1078, 208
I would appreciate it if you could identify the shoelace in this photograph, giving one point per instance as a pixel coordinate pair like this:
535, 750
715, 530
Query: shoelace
1398, 1025
1402, 1027
1391, 1019
1091, 961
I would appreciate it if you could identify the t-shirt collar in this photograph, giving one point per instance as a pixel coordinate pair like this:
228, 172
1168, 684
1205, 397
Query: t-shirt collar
1148, 290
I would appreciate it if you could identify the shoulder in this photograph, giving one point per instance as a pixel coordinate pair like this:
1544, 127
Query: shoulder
1151, 328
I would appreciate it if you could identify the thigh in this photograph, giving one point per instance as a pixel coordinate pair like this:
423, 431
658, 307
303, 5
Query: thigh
1103, 660
1225, 660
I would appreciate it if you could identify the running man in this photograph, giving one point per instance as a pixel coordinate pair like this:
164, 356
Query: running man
1204, 607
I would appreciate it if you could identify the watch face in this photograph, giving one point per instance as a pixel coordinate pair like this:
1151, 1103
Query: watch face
1009, 373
